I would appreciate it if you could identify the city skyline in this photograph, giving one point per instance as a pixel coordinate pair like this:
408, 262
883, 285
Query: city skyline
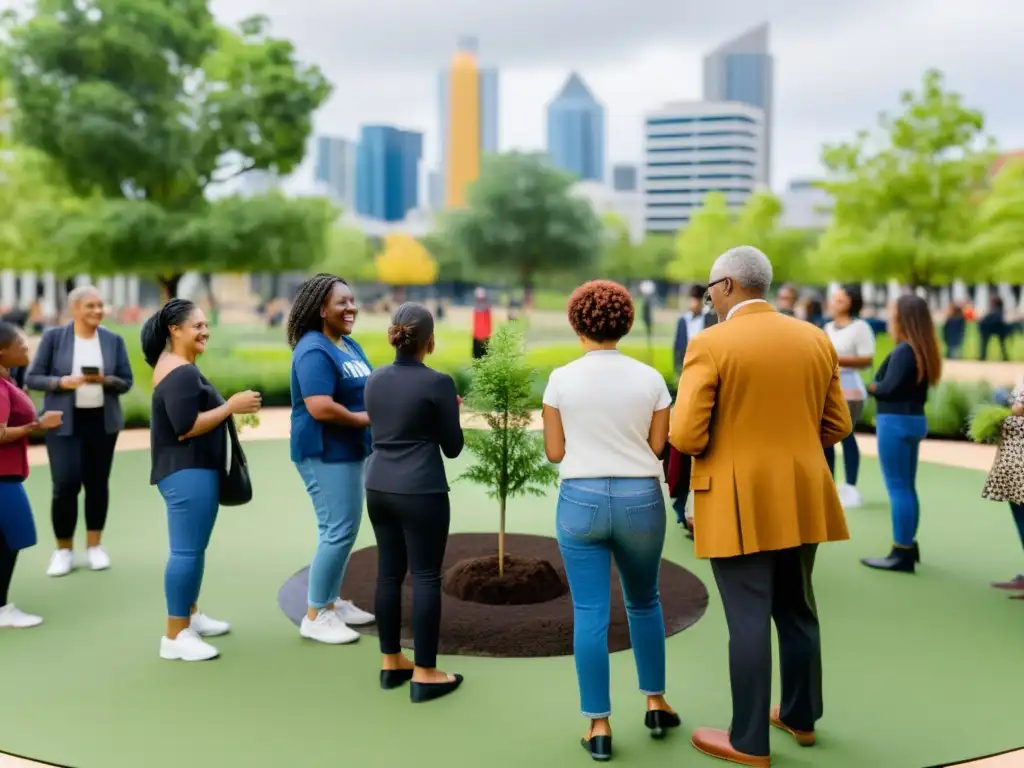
829, 83
575, 131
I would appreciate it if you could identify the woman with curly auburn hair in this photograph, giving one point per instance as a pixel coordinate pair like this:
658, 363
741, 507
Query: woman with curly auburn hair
606, 420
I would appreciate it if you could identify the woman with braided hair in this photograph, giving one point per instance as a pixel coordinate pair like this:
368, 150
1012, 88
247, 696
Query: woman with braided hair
329, 444
189, 439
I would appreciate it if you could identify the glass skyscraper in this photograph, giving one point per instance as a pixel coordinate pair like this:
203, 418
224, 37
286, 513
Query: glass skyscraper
335, 168
387, 172
468, 98
576, 131
743, 71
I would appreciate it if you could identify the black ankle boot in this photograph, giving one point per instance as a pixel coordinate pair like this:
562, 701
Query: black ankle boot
901, 559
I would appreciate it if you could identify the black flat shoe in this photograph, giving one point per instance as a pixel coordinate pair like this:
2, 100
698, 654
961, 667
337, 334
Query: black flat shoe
599, 747
393, 678
658, 721
917, 553
899, 560
420, 693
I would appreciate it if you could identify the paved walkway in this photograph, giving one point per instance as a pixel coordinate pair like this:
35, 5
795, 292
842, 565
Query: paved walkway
274, 425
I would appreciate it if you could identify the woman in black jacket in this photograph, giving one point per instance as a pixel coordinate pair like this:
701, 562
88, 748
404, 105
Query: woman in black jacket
414, 418
83, 368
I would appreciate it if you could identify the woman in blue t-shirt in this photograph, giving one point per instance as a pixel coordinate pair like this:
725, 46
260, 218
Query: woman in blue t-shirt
329, 444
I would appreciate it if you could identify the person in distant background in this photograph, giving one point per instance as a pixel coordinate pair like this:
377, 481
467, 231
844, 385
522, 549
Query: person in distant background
813, 311
83, 369
954, 330
994, 325
855, 344
785, 299
482, 321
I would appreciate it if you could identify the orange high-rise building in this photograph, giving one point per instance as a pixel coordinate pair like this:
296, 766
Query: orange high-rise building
469, 116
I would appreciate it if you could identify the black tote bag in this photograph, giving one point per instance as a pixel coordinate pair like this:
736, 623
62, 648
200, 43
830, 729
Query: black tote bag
235, 483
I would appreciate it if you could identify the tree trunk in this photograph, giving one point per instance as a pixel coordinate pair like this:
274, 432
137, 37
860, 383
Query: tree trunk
501, 539
169, 286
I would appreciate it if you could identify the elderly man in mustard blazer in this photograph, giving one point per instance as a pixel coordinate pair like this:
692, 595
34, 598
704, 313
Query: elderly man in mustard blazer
759, 397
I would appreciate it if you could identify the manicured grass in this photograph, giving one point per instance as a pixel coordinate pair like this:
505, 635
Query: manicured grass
919, 670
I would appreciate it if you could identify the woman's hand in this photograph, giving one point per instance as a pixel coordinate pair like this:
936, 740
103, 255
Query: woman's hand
871, 387
51, 420
459, 398
1017, 409
245, 402
71, 382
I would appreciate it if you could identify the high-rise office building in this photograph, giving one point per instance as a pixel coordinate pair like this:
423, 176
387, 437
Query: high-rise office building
576, 131
743, 70
625, 177
435, 191
335, 168
694, 148
387, 172
468, 99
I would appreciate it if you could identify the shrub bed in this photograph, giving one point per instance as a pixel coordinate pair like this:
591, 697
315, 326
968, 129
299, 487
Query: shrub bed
241, 359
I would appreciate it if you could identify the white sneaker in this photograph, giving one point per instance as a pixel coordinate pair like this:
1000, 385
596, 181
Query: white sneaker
97, 558
328, 628
352, 615
850, 496
12, 618
204, 626
187, 646
61, 563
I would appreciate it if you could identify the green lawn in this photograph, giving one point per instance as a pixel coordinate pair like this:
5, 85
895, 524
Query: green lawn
919, 670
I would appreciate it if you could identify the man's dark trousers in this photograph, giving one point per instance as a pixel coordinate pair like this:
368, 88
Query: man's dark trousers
757, 589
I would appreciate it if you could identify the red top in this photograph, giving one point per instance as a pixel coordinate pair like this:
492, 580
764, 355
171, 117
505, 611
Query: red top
482, 323
16, 410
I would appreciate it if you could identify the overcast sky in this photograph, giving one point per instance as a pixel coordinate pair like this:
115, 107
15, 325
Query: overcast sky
837, 63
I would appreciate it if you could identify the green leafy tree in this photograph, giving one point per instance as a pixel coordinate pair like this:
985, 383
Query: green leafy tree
523, 219
147, 104
705, 237
509, 458
618, 255
996, 252
903, 197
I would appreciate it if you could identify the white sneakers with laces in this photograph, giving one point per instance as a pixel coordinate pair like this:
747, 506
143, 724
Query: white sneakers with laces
328, 627
850, 497
11, 617
187, 646
204, 626
62, 562
97, 558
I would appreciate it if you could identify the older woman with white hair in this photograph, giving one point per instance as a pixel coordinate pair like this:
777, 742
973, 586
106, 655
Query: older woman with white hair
83, 369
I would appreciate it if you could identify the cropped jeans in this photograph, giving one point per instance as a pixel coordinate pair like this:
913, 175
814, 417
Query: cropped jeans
598, 518
899, 440
336, 490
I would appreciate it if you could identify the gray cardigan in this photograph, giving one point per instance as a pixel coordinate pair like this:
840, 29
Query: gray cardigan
53, 360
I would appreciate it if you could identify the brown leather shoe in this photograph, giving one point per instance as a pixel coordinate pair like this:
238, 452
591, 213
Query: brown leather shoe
803, 738
715, 743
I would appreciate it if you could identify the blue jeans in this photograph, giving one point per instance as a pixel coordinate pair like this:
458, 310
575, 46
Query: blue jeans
336, 489
899, 438
851, 452
596, 519
193, 498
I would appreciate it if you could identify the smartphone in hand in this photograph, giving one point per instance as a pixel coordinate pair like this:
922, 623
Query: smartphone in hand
90, 370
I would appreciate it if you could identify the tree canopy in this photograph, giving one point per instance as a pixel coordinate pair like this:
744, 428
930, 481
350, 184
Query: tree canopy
522, 218
904, 197
145, 105
997, 248
404, 261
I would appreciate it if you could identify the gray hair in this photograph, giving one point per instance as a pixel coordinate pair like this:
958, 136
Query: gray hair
79, 293
747, 266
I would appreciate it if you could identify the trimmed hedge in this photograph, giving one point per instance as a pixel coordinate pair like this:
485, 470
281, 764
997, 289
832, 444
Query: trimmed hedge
241, 359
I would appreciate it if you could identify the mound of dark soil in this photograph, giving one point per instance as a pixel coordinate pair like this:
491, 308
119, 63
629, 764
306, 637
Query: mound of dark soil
526, 580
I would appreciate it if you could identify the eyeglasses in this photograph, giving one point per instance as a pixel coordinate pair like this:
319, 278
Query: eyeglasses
707, 291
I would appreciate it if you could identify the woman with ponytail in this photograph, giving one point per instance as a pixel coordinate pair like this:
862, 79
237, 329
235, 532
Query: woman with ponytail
414, 417
190, 442
329, 444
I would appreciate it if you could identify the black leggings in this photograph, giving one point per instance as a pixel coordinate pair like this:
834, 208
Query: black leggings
83, 458
411, 532
8, 557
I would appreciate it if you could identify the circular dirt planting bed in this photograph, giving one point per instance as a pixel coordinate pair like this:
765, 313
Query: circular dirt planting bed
525, 581
475, 627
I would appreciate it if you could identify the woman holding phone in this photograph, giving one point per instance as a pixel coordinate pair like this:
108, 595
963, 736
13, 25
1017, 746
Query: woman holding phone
17, 421
83, 368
